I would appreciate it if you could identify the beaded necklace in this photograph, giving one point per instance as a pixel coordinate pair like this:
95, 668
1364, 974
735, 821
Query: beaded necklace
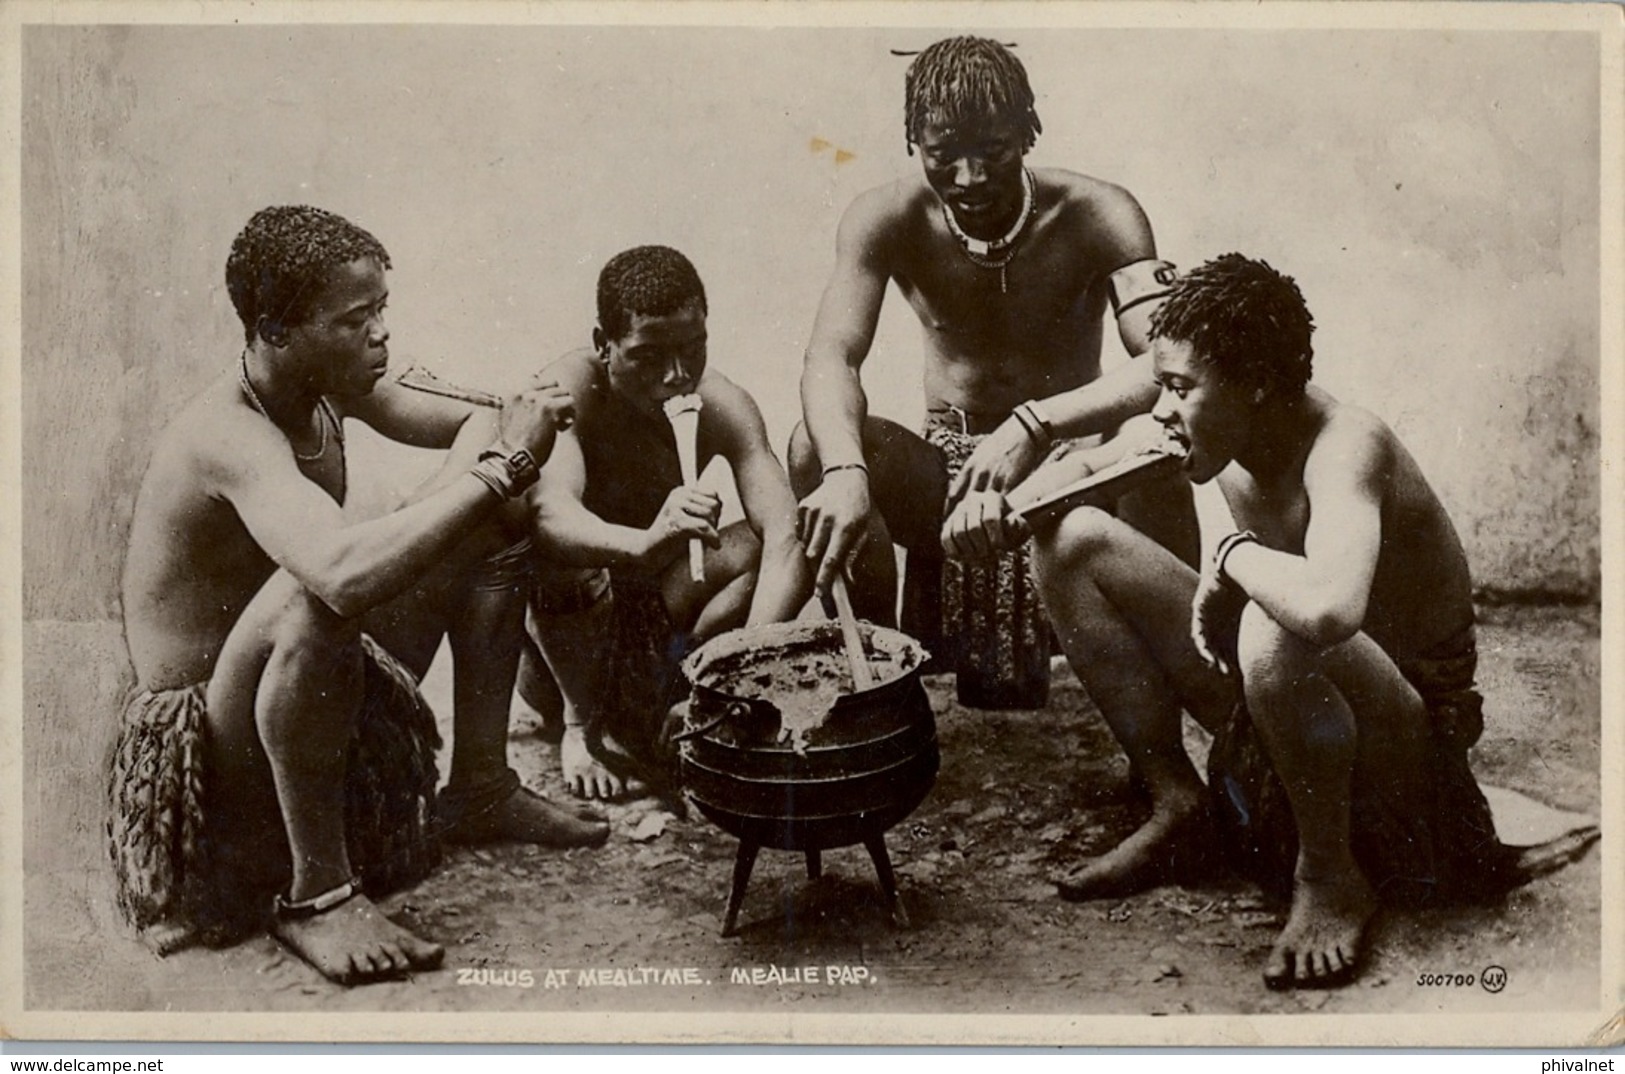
995, 253
254, 401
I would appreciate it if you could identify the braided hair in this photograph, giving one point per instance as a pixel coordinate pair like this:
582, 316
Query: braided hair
963, 80
1243, 318
281, 259
652, 281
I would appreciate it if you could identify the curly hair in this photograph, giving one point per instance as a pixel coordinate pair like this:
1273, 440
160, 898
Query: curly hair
963, 80
649, 280
281, 259
1243, 318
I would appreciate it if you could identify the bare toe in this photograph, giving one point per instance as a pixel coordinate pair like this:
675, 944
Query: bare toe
1278, 971
1320, 947
393, 960
422, 954
347, 938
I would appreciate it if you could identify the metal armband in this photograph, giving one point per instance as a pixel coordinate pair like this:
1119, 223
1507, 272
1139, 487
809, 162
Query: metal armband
1139, 283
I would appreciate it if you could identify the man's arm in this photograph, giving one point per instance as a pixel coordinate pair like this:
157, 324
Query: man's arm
784, 579
832, 398
1102, 405
1136, 284
985, 523
1321, 596
350, 568
567, 532
420, 419
834, 516
1138, 434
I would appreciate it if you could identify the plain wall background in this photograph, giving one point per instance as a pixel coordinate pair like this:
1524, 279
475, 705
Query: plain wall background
1434, 193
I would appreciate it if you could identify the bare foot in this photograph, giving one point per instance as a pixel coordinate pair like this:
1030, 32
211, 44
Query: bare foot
354, 943
583, 773
586, 775
1165, 848
1321, 944
526, 817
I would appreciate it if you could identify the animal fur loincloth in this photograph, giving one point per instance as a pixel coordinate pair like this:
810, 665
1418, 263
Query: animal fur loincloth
1419, 842
169, 885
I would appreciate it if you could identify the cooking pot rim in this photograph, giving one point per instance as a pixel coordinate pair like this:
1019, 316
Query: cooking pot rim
905, 650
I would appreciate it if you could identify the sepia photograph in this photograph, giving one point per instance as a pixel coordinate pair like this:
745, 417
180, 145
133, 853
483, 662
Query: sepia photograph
831, 523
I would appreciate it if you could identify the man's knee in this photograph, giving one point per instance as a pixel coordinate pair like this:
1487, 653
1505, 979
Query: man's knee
1074, 543
291, 616
493, 554
1273, 661
290, 658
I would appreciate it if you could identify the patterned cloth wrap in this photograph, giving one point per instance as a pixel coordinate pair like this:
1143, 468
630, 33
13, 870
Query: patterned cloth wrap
160, 799
994, 630
1420, 844
645, 676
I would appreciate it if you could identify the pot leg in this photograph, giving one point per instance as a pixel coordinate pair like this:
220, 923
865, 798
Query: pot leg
876, 845
743, 864
815, 864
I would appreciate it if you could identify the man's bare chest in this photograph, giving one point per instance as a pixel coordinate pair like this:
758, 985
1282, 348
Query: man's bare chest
1279, 515
963, 302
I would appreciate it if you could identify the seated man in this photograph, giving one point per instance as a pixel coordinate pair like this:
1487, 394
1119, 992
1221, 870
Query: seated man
272, 743
614, 519
1327, 643
1009, 270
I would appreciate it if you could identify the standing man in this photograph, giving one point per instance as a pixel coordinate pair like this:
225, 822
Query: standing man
1010, 271
273, 742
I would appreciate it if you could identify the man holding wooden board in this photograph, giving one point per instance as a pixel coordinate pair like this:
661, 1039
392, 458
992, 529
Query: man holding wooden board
1327, 642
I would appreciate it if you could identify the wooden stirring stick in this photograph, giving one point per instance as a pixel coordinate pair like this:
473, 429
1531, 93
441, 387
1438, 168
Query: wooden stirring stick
862, 677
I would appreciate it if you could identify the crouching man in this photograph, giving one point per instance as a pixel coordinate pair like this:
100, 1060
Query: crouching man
1327, 643
273, 742
618, 604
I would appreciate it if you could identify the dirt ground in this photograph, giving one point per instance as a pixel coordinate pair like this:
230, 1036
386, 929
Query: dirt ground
636, 926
